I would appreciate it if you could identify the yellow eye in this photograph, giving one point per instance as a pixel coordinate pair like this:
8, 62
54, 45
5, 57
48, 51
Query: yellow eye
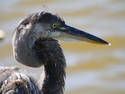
54, 25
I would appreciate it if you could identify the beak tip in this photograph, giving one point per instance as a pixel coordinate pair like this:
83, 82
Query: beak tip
109, 44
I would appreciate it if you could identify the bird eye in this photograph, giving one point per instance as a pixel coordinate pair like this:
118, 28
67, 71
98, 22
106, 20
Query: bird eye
54, 25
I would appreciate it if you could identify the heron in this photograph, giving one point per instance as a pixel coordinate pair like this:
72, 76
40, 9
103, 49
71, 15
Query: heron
35, 44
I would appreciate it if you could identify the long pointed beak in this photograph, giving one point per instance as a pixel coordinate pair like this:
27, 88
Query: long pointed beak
76, 34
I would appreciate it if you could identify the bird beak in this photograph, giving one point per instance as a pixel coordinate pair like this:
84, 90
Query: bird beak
71, 33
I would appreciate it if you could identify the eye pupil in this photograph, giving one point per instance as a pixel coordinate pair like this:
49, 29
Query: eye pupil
54, 25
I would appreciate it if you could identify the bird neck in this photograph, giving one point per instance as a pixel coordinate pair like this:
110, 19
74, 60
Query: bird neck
51, 56
54, 79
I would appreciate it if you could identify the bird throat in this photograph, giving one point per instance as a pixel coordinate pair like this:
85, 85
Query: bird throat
54, 80
51, 56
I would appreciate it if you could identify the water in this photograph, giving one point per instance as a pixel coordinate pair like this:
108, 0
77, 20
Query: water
92, 68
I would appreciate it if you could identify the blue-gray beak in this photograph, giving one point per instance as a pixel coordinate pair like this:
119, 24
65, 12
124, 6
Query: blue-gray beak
71, 33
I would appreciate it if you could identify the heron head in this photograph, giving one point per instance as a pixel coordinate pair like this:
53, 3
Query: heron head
47, 25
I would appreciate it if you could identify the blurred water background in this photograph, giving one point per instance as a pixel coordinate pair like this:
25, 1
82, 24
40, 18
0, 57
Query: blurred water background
91, 68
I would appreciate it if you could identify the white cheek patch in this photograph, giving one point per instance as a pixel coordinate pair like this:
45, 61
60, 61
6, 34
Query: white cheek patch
55, 34
40, 31
37, 28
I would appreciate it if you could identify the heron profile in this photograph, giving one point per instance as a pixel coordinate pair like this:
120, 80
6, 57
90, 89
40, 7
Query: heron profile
35, 43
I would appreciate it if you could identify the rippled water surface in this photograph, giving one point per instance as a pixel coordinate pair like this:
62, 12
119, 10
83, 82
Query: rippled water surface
91, 68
